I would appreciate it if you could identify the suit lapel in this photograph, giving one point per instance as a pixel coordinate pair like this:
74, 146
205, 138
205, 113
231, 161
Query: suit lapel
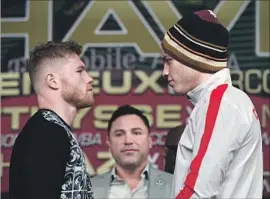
156, 184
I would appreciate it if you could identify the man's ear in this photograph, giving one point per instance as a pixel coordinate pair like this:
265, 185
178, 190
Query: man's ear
108, 141
53, 81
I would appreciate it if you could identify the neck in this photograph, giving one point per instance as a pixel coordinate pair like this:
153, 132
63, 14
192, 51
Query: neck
128, 173
202, 77
64, 110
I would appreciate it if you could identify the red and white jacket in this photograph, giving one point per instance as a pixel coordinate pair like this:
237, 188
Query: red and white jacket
220, 152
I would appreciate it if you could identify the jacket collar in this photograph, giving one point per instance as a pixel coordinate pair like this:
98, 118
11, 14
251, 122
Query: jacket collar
220, 77
144, 174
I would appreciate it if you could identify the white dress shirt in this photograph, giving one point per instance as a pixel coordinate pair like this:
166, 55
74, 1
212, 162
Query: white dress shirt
119, 189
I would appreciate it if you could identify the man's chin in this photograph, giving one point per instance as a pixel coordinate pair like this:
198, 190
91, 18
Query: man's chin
130, 165
177, 91
130, 161
84, 105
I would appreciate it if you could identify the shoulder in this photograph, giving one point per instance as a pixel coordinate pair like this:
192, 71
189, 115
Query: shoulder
236, 95
232, 100
229, 96
38, 130
39, 124
238, 102
160, 173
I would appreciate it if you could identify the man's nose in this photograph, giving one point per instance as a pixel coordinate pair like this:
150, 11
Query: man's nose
165, 71
89, 79
128, 139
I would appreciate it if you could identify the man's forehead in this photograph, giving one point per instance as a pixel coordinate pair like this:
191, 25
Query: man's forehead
129, 121
73, 56
122, 128
165, 56
76, 60
125, 120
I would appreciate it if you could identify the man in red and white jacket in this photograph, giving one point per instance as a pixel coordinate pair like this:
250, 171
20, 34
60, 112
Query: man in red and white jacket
220, 152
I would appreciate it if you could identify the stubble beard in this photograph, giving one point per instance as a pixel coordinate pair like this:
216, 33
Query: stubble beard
130, 166
77, 99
